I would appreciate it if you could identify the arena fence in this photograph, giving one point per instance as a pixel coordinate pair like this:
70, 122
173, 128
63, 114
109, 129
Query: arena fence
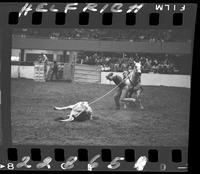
39, 72
22, 71
150, 79
87, 73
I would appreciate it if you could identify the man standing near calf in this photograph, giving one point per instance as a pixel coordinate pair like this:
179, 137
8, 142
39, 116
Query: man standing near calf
122, 89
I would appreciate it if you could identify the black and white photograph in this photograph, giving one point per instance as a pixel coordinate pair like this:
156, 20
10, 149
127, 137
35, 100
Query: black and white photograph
0, 85
101, 86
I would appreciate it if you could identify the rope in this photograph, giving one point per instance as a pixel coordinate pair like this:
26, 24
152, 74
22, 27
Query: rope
99, 98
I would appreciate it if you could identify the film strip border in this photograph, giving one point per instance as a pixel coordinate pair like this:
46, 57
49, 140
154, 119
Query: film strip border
95, 159
154, 19
120, 15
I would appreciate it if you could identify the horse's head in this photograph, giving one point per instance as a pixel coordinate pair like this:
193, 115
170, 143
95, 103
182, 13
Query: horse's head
130, 74
137, 67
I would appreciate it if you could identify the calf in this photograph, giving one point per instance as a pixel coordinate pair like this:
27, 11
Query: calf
80, 111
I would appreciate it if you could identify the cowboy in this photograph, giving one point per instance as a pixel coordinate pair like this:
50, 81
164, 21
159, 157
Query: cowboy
45, 61
122, 89
54, 70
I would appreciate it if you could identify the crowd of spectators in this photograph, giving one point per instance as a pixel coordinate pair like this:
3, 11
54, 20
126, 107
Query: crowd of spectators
150, 63
152, 35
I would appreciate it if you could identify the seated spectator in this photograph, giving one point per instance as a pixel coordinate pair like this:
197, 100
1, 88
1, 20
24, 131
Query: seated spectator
118, 64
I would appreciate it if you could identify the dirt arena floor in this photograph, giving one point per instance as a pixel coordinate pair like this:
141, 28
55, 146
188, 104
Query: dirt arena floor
163, 122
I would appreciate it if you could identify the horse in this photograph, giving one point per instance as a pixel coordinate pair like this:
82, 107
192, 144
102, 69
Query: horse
132, 79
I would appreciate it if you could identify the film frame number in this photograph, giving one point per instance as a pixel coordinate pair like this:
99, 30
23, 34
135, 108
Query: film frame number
10, 166
46, 163
92, 164
163, 167
69, 163
115, 163
24, 162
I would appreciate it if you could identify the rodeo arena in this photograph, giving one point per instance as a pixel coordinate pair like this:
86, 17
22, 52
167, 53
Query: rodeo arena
101, 86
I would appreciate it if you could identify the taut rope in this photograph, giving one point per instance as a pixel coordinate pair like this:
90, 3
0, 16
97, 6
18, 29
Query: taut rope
99, 98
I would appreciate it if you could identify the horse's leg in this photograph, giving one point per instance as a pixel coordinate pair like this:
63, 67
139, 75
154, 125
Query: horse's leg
138, 97
117, 98
128, 97
129, 94
123, 96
